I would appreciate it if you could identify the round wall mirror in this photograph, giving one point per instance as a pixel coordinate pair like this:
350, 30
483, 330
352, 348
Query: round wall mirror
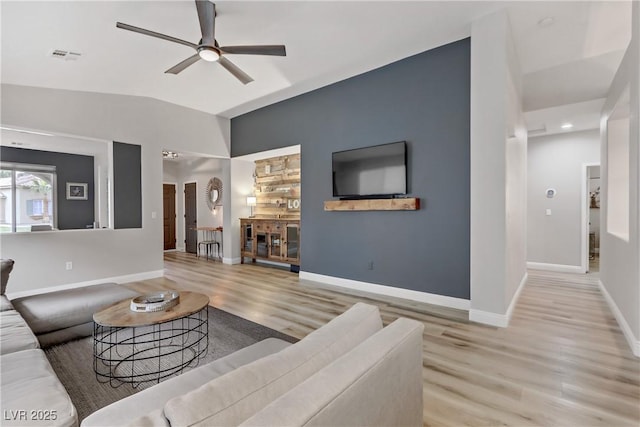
214, 193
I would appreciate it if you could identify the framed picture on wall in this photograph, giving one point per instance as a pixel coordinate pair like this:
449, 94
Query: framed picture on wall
77, 191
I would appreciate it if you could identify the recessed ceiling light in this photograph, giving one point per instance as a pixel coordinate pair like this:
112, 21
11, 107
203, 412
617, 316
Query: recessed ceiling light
566, 126
546, 22
166, 154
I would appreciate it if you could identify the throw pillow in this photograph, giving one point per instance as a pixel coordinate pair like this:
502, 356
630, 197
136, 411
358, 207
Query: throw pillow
7, 266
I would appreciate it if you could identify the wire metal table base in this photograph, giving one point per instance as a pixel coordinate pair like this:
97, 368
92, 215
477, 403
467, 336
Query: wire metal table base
142, 354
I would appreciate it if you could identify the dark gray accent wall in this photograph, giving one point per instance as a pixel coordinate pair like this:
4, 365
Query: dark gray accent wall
127, 186
424, 100
72, 214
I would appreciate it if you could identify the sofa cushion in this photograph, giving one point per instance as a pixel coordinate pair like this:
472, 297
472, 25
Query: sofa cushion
62, 309
377, 383
15, 334
234, 397
151, 401
152, 419
6, 265
32, 395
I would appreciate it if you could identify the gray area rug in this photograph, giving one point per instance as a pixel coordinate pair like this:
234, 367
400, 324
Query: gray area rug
73, 361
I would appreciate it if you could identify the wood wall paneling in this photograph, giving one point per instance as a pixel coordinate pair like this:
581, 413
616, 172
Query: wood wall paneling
277, 187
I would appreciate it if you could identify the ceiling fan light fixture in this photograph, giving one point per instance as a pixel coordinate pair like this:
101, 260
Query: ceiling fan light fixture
209, 54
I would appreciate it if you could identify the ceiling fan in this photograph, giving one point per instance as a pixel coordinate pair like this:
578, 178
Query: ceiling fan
208, 48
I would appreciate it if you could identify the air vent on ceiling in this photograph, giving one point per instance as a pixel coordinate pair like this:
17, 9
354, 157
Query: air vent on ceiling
67, 55
537, 131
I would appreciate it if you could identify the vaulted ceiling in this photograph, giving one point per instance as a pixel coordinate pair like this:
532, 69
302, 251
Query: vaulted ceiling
568, 51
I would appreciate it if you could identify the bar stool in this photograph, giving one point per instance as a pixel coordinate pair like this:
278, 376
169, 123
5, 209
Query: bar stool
208, 245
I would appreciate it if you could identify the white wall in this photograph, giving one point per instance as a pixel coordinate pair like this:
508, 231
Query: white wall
619, 258
498, 170
104, 254
516, 183
557, 161
242, 186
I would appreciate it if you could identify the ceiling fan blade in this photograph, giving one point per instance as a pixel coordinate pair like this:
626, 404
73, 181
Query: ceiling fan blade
207, 17
233, 69
276, 50
154, 34
184, 64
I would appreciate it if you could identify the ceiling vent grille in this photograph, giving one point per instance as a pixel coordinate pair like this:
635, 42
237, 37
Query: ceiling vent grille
537, 131
67, 55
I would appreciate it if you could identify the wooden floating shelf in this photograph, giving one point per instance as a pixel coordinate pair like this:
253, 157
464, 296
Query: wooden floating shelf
408, 204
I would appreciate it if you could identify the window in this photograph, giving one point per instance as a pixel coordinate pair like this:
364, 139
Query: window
27, 196
37, 207
618, 156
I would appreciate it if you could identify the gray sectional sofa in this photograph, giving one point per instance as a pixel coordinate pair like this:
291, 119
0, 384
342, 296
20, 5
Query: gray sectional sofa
31, 394
351, 371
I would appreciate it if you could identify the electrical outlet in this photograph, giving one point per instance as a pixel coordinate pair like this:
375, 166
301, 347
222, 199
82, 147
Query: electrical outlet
69, 265
370, 265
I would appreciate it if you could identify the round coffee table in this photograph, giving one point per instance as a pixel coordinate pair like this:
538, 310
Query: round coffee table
139, 347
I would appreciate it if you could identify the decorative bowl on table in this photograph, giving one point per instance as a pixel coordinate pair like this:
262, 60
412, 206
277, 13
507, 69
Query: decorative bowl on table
157, 301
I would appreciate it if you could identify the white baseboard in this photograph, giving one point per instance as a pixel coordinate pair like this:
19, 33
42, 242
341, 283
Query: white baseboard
560, 268
117, 279
633, 342
496, 319
489, 318
516, 296
451, 302
231, 261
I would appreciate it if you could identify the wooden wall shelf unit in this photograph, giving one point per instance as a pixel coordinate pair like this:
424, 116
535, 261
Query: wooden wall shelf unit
405, 204
271, 239
277, 187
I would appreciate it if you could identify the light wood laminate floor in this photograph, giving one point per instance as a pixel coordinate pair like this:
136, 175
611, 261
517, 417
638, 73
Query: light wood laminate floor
563, 360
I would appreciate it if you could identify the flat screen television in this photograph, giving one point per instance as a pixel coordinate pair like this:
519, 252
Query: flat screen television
370, 172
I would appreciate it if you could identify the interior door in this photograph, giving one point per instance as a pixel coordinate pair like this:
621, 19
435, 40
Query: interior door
169, 215
190, 218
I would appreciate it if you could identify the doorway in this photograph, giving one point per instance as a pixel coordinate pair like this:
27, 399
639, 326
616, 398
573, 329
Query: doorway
190, 218
593, 202
169, 215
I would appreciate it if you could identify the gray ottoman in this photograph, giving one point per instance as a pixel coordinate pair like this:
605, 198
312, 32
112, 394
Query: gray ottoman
60, 316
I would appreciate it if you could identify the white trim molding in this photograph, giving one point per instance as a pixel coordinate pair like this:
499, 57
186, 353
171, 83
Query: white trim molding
231, 261
516, 296
584, 217
489, 318
445, 301
496, 319
560, 268
117, 279
633, 341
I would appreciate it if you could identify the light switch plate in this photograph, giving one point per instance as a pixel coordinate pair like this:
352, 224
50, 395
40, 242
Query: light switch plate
548, 212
